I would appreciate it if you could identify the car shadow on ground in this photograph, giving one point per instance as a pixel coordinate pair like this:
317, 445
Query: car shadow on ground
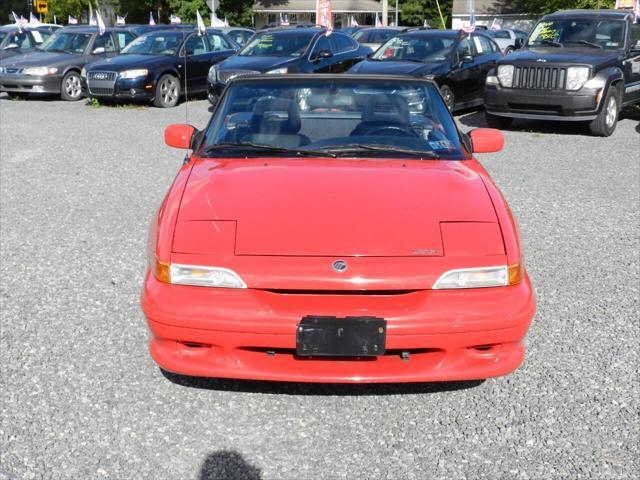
316, 389
476, 119
228, 465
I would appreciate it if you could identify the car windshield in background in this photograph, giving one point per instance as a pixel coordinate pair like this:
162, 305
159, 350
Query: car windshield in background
284, 44
66, 42
3, 35
415, 48
166, 43
608, 34
326, 117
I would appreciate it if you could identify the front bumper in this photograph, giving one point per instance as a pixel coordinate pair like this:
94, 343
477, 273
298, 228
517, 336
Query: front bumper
46, 85
251, 334
127, 89
582, 105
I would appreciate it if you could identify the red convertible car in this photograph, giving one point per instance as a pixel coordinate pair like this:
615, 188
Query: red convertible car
335, 228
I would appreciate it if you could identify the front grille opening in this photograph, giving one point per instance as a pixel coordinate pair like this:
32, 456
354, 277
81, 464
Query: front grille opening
341, 292
194, 344
485, 348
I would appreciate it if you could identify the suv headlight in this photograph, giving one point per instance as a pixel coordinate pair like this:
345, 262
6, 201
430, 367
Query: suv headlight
40, 71
140, 72
278, 70
505, 75
202, 276
213, 74
577, 77
481, 277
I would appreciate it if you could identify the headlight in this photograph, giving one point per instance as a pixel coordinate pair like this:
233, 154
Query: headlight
505, 75
204, 276
482, 277
577, 77
213, 74
40, 71
83, 72
278, 70
141, 72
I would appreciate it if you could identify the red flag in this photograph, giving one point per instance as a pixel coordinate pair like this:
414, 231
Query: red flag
324, 17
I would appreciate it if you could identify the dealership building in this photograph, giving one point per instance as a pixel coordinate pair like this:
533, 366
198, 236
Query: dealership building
268, 12
506, 12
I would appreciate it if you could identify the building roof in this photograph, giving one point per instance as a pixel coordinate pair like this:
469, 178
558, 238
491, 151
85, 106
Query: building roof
488, 7
305, 6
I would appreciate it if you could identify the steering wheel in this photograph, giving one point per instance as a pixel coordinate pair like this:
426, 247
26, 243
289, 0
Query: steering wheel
394, 131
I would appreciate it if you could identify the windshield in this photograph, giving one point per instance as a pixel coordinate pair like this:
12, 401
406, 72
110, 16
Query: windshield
284, 44
66, 42
3, 35
416, 48
608, 34
338, 118
166, 43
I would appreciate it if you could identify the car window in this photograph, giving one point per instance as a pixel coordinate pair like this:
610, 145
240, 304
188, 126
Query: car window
104, 41
67, 42
241, 37
21, 39
195, 45
124, 39
381, 36
165, 43
218, 42
575, 33
486, 45
323, 43
362, 36
635, 36
502, 34
420, 48
522, 35
342, 43
464, 48
280, 44
3, 35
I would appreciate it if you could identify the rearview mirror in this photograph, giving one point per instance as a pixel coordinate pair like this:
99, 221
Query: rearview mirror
486, 140
98, 51
179, 136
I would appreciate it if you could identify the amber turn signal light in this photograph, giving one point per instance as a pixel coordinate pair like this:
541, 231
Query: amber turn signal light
160, 270
515, 273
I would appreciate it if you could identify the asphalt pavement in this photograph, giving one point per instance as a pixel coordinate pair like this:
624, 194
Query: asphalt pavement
82, 399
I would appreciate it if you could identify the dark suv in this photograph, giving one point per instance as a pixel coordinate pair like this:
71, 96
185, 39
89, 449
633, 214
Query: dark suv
578, 65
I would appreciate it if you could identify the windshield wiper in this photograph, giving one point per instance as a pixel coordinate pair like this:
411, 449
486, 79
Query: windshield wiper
553, 43
391, 149
248, 146
585, 42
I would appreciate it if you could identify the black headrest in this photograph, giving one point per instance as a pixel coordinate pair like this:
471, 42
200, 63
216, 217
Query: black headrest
388, 108
275, 115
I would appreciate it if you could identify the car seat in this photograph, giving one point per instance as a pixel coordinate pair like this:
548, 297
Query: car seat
276, 122
381, 112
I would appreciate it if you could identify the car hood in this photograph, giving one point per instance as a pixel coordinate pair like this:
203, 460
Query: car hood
260, 64
125, 62
43, 59
589, 56
341, 207
14, 52
388, 67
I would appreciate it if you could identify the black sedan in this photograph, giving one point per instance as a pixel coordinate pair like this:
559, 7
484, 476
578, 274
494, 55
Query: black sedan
54, 68
18, 41
160, 66
288, 50
456, 61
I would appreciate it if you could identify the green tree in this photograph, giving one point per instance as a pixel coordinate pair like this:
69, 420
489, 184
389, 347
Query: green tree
415, 12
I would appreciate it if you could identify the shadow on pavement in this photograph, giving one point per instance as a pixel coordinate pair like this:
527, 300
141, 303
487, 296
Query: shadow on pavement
227, 465
318, 389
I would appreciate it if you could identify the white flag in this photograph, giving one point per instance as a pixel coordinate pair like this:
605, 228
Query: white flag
120, 20
151, 20
175, 19
33, 20
201, 28
216, 22
378, 22
101, 26
17, 21
92, 21
72, 20
226, 22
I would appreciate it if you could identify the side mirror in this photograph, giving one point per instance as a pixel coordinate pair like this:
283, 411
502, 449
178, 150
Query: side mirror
519, 43
486, 140
179, 136
11, 46
466, 59
98, 51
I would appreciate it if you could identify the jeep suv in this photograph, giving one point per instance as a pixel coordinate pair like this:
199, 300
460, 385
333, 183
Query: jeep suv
578, 65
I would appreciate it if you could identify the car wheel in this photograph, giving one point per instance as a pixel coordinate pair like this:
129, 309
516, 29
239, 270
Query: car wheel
495, 121
509, 50
71, 87
605, 123
167, 92
447, 96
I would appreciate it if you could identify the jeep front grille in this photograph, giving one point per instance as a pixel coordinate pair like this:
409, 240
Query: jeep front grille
539, 78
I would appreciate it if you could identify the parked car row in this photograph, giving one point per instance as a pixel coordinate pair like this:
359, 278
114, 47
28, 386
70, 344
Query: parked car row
577, 65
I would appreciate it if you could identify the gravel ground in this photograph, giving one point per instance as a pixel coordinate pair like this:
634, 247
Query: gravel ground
82, 399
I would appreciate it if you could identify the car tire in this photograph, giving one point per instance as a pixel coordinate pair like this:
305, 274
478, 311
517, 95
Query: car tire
71, 87
496, 121
448, 96
167, 91
605, 123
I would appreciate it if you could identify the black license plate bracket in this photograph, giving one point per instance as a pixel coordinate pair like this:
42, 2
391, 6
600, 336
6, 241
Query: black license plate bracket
325, 336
